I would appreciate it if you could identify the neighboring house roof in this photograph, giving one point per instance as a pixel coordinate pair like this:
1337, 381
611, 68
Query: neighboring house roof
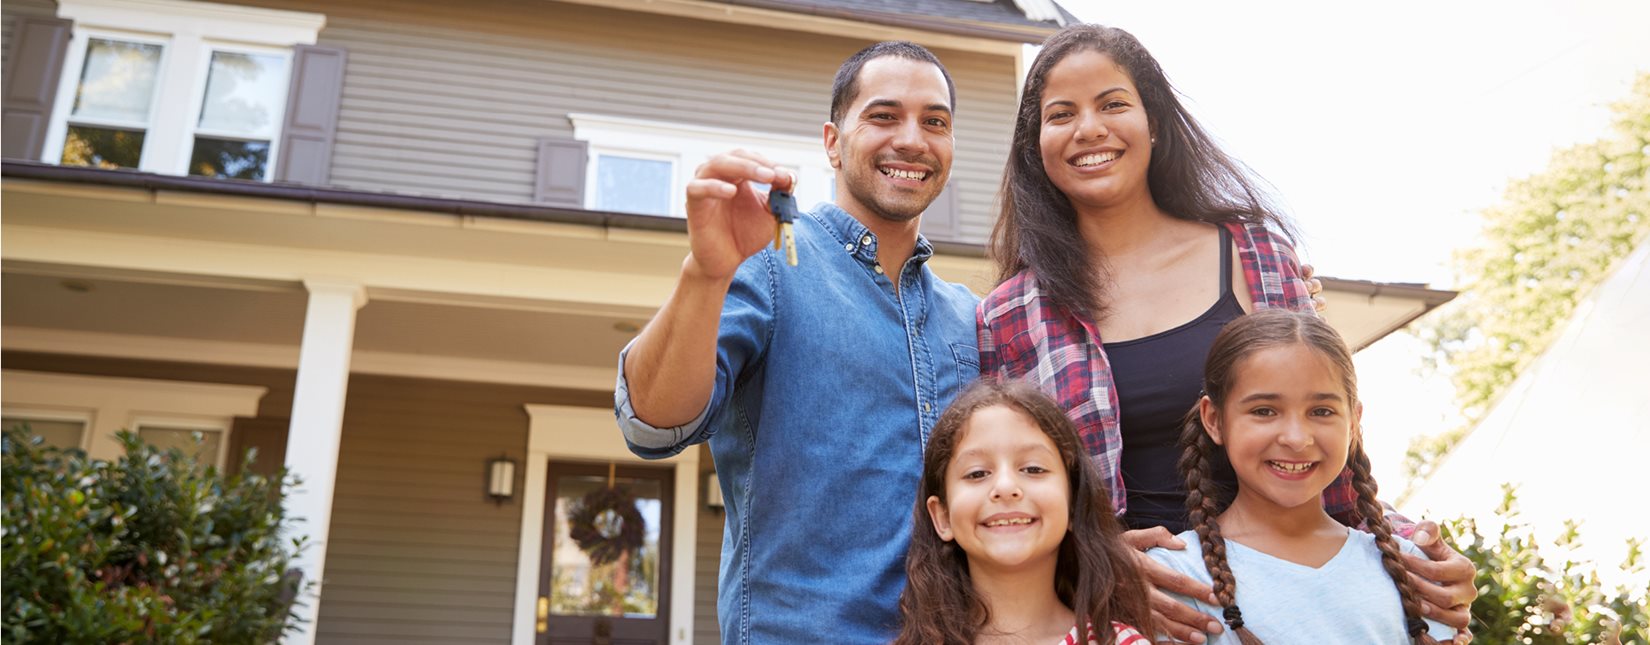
1032, 18
1573, 430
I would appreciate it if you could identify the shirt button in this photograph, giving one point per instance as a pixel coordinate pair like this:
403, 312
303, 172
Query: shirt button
879, 269
865, 240
847, 247
927, 407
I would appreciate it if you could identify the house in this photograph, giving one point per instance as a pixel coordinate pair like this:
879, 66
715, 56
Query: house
1571, 433
395, 245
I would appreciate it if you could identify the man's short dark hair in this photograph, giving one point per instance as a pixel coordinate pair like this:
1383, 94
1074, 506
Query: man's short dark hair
845, 89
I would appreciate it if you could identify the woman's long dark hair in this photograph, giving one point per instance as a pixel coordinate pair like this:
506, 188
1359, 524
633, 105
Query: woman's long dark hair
1190, 177
1095, 574
1205, 499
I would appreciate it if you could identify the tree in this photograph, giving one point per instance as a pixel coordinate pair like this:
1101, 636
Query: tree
1554, 237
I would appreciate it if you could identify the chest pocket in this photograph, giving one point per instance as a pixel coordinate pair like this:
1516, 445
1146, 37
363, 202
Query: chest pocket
968, 363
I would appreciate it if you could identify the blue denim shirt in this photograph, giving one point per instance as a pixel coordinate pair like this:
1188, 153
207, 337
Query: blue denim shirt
827, 385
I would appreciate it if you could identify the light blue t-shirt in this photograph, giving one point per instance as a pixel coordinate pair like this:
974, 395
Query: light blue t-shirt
827, 384
1350, 599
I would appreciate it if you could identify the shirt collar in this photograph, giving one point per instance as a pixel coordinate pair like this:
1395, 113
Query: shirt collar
855, 239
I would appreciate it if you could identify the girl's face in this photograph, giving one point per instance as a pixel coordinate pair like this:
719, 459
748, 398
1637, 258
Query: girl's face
1095, 135
1008, 499
1286, 425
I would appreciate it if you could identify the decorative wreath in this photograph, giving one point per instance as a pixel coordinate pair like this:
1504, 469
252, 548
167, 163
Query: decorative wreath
606, 524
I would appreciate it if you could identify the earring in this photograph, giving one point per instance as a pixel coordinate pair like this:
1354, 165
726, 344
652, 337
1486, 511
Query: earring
1154, 141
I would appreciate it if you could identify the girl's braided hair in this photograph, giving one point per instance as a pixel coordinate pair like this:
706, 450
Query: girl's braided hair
1205, 501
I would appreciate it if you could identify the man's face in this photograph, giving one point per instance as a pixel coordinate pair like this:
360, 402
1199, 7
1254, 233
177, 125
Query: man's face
892, 151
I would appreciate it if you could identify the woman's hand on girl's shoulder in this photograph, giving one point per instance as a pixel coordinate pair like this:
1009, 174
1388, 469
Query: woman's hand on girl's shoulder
1175, 618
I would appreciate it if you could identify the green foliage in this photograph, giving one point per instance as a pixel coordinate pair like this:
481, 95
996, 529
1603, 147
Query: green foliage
1524, 598
148, 548
1554, 237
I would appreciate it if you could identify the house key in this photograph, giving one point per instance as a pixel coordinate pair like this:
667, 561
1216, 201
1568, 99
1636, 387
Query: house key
783, 206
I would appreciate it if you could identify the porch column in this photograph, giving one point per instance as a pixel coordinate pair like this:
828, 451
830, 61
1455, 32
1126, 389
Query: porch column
317, 422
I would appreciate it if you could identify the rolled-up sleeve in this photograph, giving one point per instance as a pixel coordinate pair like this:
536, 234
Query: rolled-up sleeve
647, 441
743, 334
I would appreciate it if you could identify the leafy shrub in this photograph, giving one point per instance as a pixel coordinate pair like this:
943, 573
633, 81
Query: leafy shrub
149, 548
1524, 598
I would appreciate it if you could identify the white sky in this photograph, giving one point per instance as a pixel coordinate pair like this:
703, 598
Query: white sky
1385, 128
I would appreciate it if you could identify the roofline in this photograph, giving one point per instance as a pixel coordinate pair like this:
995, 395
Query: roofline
19, 169
1027, 34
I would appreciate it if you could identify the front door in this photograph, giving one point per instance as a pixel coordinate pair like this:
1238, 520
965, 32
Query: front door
605, 577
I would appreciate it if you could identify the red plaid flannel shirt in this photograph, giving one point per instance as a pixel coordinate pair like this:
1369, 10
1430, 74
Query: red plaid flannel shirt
1023, 335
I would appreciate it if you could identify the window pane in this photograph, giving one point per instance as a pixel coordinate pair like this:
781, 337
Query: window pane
630, 185
595, 575
234, 159
183, 439
52, 432
243, 94
102, 147
118, 81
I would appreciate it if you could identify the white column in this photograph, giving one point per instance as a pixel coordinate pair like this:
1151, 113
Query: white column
317, 423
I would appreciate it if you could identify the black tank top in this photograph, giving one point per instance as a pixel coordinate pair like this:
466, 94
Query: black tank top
1158, 378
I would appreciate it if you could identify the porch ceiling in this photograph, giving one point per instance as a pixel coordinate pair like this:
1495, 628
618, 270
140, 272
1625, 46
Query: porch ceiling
42, 300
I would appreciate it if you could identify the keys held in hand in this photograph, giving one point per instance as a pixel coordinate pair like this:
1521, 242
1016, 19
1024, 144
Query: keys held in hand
783, 206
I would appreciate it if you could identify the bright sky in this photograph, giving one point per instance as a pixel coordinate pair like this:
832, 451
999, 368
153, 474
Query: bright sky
1386, 127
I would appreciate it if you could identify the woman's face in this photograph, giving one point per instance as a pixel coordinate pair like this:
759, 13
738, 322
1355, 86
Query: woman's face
1095, 135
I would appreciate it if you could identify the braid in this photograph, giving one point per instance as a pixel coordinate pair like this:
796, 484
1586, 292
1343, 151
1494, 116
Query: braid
1375, 518
1202, 507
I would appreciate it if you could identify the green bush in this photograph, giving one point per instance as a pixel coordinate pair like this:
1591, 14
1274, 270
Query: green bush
148, 548
1523, 598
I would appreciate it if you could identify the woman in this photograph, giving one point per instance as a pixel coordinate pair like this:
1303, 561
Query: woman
1122, 220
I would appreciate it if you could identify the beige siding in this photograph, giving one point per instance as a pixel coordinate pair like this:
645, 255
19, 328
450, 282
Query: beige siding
707, 563
448, 98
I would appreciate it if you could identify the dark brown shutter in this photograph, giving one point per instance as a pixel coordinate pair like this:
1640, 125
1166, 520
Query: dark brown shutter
34, 66
941, 222
266, 434
560, 180
311, 115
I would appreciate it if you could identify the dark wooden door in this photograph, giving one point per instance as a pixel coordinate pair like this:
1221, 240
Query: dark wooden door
605, 572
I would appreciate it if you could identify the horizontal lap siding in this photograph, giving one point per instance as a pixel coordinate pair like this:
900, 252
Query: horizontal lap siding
449, 99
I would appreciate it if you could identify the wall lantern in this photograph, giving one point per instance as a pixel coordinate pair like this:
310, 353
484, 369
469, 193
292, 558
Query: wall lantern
501, 479
713, 492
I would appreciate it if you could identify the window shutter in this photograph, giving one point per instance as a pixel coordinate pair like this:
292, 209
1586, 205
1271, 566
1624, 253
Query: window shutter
942, 222
311, 115
560, 180
33, 68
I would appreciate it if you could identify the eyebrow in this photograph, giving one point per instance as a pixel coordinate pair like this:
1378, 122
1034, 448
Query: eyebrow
1096, 97
891, 103
1269, 396
1020, 449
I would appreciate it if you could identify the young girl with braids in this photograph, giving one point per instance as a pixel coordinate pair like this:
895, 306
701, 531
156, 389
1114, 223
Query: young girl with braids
1015, 540
1281, 404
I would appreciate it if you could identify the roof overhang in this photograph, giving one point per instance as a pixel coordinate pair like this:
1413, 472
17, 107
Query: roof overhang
646, 249
929, 31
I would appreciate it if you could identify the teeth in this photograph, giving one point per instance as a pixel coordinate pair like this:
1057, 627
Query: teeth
904, 174
1010, 522
1098, 158
1292, 467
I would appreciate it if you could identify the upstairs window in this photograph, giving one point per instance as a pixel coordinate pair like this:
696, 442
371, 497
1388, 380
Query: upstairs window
175, 87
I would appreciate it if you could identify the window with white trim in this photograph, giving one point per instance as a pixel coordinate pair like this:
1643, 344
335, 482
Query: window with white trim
642, 166
175, 87
86, 412
64, 429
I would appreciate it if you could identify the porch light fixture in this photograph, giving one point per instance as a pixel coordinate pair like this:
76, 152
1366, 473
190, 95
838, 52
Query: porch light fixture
713, 492
501, 479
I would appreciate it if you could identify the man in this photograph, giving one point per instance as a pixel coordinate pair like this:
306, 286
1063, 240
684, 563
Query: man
816, 385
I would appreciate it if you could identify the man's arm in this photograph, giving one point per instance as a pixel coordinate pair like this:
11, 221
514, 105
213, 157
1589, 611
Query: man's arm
671, 367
